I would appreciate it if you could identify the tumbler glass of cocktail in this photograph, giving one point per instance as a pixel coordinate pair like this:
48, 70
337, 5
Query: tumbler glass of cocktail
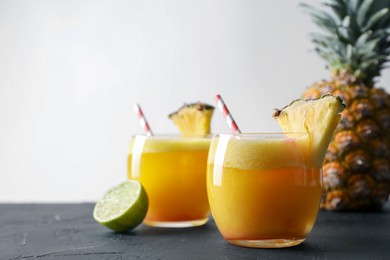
172, 169
263, 189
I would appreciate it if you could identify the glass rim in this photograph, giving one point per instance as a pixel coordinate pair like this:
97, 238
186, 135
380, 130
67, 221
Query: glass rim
172, 136
255, 135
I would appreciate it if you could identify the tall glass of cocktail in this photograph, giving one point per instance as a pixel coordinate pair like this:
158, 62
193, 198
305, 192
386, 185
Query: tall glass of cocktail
172, 170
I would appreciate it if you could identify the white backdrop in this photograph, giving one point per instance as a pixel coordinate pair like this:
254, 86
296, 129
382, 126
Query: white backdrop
70, 71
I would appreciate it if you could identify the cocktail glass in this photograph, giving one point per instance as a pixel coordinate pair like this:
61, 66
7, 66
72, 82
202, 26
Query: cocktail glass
263, 189
173, 171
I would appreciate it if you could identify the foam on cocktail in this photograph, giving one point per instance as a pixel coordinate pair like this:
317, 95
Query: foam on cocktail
259, 154
154, 145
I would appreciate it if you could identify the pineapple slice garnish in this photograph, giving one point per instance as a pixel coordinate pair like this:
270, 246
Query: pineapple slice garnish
316, 117
193, 119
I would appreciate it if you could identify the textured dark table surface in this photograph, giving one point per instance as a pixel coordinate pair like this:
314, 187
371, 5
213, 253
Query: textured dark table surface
68, 231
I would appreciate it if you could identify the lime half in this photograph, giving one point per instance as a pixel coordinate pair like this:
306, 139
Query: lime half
123, 207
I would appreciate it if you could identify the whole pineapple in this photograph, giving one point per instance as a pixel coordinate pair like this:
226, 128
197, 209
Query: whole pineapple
356, 45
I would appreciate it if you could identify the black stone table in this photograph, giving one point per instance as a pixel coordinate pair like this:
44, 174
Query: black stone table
68, 231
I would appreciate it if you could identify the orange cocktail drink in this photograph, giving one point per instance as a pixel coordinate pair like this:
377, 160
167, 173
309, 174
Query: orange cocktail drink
173, 171
263, 189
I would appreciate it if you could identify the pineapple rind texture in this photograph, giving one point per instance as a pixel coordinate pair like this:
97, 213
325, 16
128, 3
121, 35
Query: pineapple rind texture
193, 119
356, 169
355, 43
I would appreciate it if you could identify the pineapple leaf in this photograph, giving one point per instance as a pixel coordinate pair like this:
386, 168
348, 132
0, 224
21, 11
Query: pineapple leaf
355, 37
359, 73
362, 39
337, 7
375, 18
370, 46
346, 34
353, 5
363, 11
381, 33
346, 21
337, 3
321, 18
349, 53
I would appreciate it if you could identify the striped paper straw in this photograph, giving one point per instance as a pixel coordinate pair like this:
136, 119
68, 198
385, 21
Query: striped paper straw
142, 120
228, 116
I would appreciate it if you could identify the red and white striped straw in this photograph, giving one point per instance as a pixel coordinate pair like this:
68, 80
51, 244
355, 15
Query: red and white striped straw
142, 120
228, 116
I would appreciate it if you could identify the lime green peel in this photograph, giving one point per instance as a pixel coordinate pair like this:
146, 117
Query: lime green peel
123, 207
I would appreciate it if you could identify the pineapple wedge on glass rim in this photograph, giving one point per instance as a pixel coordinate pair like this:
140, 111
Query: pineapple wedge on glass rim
355, 44
316, 117
193, 119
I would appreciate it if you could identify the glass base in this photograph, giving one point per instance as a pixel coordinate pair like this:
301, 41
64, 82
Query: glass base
176, 224
267, 243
